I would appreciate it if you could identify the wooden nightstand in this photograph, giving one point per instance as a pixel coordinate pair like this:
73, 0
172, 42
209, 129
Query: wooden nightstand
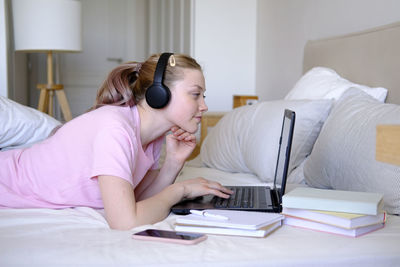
388, 143
242, 100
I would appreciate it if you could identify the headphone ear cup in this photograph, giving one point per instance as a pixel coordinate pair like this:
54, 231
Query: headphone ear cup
158, 96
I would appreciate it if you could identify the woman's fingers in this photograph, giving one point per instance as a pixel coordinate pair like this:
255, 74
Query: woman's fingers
201, 186
219, 193
219, 190
174, 128
177, 131
181, 134
190, 137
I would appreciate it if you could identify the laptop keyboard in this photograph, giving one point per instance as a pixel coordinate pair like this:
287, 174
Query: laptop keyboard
242, 197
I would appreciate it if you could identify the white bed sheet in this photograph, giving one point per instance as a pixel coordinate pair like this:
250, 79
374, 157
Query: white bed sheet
81, 236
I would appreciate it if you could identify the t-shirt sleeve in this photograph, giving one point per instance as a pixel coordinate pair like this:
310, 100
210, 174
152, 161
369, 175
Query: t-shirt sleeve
114, 154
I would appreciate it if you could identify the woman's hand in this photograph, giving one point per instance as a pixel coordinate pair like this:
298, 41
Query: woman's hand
199, 187
180, 145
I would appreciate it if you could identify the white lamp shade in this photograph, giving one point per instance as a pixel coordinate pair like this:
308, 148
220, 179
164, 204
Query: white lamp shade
47, 25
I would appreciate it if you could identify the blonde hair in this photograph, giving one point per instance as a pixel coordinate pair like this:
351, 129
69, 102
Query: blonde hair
127, 83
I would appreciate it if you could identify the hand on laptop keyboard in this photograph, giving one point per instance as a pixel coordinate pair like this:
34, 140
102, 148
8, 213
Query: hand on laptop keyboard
242, 197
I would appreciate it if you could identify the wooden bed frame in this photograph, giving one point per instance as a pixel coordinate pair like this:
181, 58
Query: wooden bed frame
370, 57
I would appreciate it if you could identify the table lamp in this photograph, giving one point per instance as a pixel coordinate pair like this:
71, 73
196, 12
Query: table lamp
48, 26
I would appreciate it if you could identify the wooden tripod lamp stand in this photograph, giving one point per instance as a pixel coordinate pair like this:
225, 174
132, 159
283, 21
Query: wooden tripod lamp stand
48, 26
47, 93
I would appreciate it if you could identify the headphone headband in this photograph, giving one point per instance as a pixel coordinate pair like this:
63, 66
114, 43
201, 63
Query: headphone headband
161, 67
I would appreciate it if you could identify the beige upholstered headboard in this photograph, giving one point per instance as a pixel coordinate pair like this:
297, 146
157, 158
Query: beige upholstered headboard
369, 57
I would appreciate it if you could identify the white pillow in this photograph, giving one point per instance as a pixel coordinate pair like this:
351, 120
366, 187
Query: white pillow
21, 125
325, 83
247, 138
343, 157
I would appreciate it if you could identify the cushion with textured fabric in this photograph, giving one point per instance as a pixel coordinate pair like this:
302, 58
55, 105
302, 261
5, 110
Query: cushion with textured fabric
22, 125
247, 138
343, 156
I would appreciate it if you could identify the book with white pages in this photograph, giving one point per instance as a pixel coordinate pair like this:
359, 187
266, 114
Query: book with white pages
248, 220
333, 200
261, 232
339, 219
321, 227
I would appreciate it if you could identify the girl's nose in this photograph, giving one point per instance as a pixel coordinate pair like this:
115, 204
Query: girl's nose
203, 106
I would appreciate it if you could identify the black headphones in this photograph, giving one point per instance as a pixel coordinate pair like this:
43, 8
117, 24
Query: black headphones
158, 95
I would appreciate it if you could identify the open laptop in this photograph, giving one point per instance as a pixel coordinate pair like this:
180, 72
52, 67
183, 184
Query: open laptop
253, 198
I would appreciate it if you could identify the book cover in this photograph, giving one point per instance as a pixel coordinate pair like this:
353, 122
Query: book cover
262, 232
297, 222
333, 200
236, 219
339, 219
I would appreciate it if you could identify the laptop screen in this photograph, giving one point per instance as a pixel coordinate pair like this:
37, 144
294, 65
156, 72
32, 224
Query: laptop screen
285, 143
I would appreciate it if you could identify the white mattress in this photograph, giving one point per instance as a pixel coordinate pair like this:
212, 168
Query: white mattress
80, 236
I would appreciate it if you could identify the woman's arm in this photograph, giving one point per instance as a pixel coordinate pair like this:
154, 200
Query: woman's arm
179, 145
123, 212
156, 180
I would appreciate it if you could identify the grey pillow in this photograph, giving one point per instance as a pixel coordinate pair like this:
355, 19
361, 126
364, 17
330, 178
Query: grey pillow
247, 138
21, 125
343, 156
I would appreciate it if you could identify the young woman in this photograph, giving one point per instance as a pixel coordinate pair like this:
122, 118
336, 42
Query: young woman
108, 157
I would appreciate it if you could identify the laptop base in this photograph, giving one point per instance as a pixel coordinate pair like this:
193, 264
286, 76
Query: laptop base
264, 200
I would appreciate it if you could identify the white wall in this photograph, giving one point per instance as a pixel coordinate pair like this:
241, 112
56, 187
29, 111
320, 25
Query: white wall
244, 46
224, 43
3, 51
284, 27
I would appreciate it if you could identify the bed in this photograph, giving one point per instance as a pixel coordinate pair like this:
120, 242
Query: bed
370, 60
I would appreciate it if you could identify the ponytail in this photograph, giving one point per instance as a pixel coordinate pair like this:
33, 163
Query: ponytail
116, 89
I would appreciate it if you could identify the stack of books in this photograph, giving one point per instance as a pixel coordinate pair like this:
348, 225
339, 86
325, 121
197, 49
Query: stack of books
346, 213
229, 222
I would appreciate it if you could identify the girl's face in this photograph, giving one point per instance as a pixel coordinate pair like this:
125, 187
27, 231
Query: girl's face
187, 103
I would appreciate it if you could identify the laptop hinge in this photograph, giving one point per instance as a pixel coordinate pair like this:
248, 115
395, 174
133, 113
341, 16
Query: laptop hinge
276, 199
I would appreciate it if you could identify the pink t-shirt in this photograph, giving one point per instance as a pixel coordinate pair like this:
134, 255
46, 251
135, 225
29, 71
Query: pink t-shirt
62, 170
